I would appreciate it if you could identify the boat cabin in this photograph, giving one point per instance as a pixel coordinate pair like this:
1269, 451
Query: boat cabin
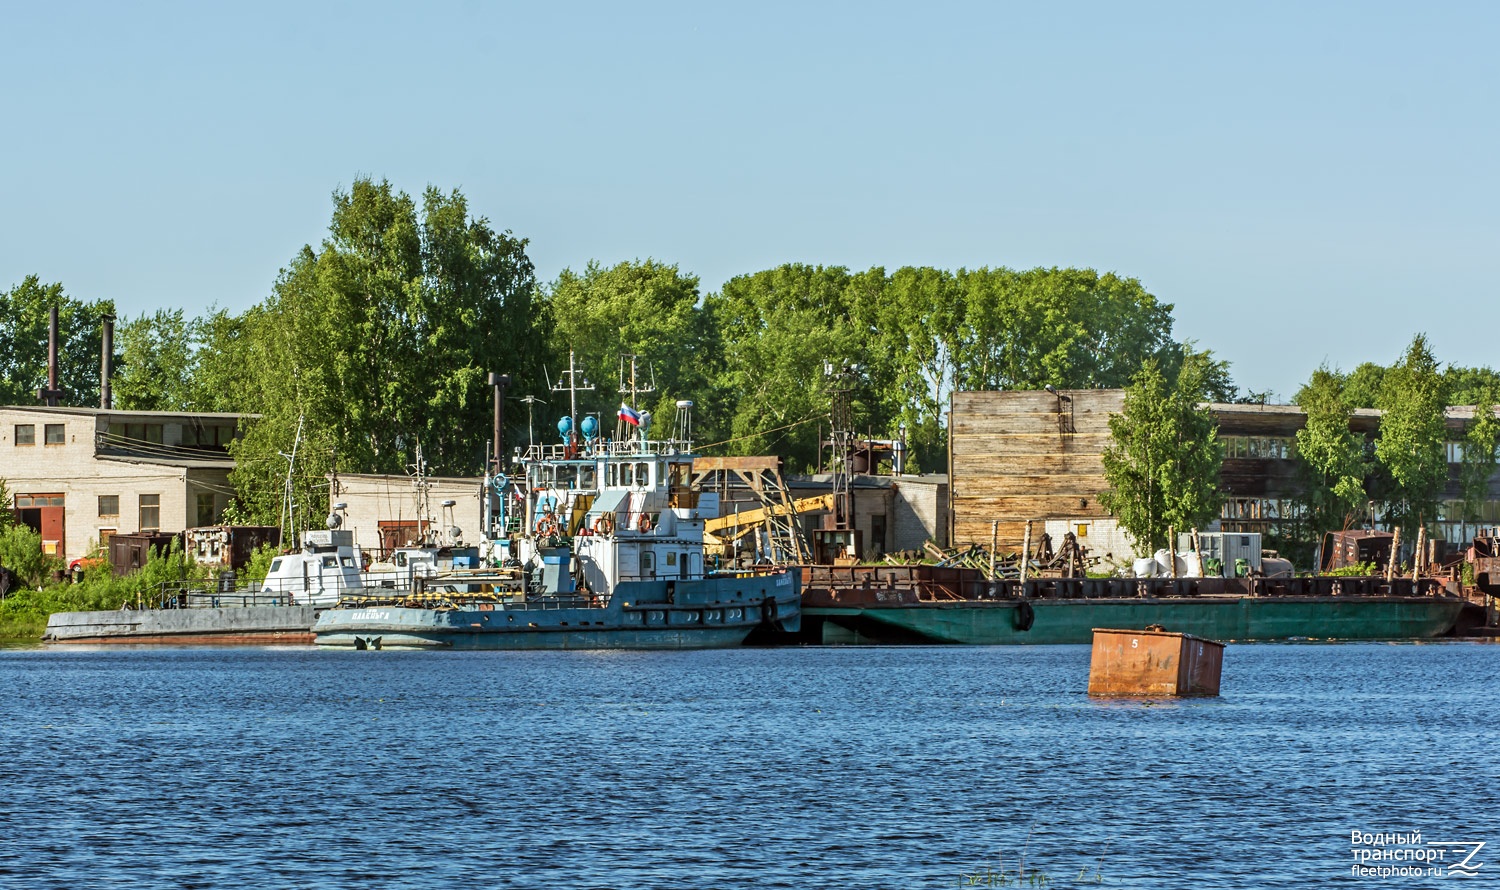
327, 567
610, 512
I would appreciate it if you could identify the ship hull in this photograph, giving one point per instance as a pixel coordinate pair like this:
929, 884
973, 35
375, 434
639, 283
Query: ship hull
708, 613
248, 625
1073, 621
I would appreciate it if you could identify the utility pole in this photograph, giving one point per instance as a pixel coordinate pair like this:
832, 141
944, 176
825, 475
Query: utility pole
500, 382
841, 436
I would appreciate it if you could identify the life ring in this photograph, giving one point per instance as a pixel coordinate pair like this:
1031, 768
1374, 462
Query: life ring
645, 523
604, 525
1025, 616
546, 527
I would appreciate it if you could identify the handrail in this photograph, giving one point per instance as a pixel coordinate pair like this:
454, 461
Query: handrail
612, 448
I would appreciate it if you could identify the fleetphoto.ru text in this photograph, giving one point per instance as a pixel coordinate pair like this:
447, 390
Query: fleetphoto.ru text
1384, 854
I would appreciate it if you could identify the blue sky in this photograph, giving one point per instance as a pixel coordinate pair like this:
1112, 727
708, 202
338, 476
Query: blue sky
1305, 182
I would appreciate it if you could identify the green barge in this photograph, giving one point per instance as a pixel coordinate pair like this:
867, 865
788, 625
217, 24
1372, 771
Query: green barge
929, 605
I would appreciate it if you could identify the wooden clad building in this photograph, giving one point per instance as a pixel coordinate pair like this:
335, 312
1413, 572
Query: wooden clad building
1016, 456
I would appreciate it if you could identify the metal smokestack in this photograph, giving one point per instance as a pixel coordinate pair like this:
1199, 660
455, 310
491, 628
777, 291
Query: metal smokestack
52, 358
50, 394
107, 363
500, 382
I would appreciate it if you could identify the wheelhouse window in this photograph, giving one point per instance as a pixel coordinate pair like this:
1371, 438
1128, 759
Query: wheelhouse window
56, 433
25, 434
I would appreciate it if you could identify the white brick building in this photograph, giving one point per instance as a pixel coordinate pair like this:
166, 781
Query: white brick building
80, 475
382, 511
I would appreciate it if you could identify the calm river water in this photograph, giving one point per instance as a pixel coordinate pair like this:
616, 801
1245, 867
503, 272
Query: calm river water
860, 768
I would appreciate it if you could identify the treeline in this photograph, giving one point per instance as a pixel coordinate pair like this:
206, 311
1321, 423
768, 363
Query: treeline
380, 339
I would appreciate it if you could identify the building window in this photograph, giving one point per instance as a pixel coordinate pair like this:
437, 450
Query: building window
1260, 447
25, 434
38, 500
150, 512
207, 515
133, 434
197, 436
56, 434
109, 505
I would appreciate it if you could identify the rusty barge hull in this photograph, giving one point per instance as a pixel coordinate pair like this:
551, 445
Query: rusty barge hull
922, 605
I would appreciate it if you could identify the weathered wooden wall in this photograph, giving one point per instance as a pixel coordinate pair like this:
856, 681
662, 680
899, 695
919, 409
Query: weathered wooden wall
1026, 455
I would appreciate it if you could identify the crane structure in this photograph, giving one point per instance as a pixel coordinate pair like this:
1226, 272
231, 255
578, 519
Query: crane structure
777, 513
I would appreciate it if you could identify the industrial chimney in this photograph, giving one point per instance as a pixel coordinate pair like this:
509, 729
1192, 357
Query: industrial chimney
107, 363
50, 394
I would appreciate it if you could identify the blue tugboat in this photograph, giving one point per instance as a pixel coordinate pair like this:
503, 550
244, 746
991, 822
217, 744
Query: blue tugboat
598, 546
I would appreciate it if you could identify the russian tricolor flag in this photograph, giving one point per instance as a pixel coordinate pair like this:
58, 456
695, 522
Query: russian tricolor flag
629, 415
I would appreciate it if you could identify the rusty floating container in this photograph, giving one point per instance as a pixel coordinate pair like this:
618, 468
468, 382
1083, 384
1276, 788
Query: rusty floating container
1154, 662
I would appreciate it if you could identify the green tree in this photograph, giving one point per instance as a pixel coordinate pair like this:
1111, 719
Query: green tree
21, 552
1071, 328
1413, 433
1466, 386
224, 351
380, 342
1478, 462
1362, 386
913, 322
1330, 455
777, 330
1163, 464
24, 318
647, 309
157, 363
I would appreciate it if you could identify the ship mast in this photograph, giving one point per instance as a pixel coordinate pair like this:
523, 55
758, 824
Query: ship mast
572, 386
636, 388
424, 504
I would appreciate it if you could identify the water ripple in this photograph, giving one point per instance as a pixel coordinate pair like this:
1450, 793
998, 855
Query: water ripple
207, 768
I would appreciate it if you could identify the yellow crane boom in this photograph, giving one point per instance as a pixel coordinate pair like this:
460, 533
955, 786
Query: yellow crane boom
748, 519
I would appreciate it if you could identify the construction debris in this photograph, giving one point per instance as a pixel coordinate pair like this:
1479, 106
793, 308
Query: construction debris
1071, 560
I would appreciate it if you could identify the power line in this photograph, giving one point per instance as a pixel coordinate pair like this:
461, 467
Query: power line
757, 435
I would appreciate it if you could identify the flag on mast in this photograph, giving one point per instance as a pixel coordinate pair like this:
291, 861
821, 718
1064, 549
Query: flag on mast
629, 415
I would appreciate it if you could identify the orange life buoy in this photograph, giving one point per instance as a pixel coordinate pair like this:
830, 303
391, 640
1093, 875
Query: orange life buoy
546, 527
645, 523
604, 525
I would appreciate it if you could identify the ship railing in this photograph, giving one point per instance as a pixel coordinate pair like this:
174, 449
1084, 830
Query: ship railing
947, 584
757, 571
446, 600
186, 595
608, 448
